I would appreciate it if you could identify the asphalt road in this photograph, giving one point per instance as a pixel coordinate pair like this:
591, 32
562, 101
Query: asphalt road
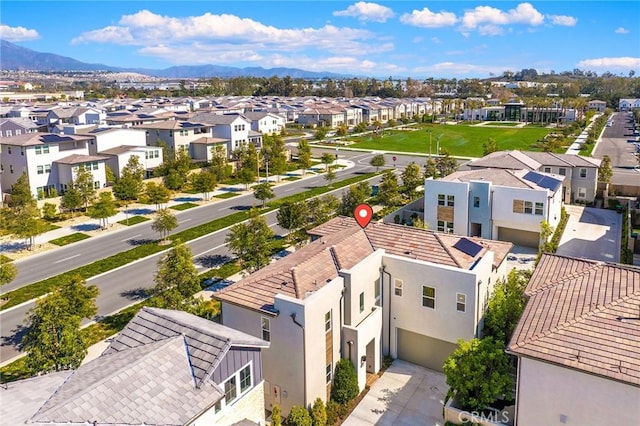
616, 142
126, 285
40, 266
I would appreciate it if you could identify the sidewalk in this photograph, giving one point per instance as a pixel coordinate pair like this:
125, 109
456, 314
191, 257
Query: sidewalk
17, 248
574, 148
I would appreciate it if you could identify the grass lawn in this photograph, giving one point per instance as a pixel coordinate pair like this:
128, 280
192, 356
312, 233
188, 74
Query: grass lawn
50, 227
502, 124
460, 140
291, 178
226, 195
133, 220
5, 259
68, 239
183, 206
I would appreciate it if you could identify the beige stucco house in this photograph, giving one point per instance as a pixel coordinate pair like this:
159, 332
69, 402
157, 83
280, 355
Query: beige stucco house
362, 294
578, 344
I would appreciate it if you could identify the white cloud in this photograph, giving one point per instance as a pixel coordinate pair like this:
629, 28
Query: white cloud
17, 33
621, 30
226, 33
482, 16
459, 69
427, 19
607, 64
435, 40
563, 20
367, 12
490, 30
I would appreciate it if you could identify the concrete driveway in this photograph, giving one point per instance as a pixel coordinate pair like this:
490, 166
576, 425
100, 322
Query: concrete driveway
406, 394
592, 234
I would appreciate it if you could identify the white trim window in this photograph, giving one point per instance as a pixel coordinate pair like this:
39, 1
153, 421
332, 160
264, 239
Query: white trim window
327, 322
582, 192
461, 302
539, 209
397, 287
265, 325
444, 226
236, 386
583, 173
428, 297
329, 373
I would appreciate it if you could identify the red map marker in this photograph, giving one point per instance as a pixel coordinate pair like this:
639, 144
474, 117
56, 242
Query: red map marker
363, 213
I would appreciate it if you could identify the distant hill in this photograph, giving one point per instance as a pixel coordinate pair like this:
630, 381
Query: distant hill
14, 57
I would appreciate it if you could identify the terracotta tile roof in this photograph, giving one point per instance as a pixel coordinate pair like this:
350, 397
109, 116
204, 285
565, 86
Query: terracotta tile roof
341, 245
583, 314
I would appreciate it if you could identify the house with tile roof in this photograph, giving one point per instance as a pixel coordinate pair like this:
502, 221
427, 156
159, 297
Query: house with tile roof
578, 344
360, 294
581, 173
165, 367
49, 160
494, 203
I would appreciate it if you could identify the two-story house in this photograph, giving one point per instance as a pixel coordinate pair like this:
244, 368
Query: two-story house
500, 204
265, 122
581, 173
578, 344
49, 160
176, 134
75, 115
360, 294
165, 367
234, 128
17, 126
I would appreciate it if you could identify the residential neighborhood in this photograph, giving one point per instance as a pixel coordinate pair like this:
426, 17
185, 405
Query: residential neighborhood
316, 249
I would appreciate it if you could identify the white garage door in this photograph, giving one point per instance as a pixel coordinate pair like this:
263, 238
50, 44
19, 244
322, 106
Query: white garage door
422, 350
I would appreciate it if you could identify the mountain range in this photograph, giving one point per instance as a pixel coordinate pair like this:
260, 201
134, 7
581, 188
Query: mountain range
14, 57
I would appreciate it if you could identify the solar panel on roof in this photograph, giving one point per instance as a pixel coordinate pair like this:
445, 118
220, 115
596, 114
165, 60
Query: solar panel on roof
468, 247
543, 181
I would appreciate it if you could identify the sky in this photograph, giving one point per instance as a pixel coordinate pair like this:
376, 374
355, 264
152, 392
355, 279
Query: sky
418, 39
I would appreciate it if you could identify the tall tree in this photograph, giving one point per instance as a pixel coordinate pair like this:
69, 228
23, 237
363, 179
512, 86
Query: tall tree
164, 223
445, 163
129, 185
304, 155
103, 209
377, 161
25, 222
263, 192
8, 272
176, 279
505, 306
219, 162
357, 194
246, 176
430, 169
389, 193
411, 178
54, 340
330, 176
21, 193
292, 215
604, 172
276, 156
157, 194
250, 241
71, 200
321, 209
83, 183
327, 159
204, 182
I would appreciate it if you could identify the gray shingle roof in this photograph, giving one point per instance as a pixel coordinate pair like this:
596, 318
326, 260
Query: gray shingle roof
207, 342
151, 384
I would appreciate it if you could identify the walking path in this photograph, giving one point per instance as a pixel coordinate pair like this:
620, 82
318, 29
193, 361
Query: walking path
582, 138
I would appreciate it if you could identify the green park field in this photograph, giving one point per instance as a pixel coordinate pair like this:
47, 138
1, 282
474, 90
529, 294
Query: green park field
460, 140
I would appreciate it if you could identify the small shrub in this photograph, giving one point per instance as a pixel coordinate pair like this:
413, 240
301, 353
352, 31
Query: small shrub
276, 416
49, 211
345, 382
319, 413
333, 413
386, 362
299, 416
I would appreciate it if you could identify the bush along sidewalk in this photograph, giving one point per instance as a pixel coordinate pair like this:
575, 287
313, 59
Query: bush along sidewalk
40, 288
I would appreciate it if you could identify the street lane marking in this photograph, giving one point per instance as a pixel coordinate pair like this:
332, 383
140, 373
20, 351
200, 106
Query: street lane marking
131, 238
185, 220
67, 258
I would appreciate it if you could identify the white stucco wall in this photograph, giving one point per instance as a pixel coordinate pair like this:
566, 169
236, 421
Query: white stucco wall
460, 191
552, 395
117, 137
503, 215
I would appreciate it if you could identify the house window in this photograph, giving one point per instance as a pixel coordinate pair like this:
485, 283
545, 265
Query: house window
266, 328
441, 198
476, 202
328, 372
539, 209
10, 168
245, 378
450, 200
362, 302
327, 322
547, 170
18, 132
583, 173
38, 150
9, 150
9, 133
562, 171
95, 165
428, 297
444, 226
217, 407
40, 170
230, 390
528, 207
397, 284
461, 302
582, 192
376, 291
156, 154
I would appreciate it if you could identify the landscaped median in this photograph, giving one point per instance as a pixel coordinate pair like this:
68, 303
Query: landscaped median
32, 291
